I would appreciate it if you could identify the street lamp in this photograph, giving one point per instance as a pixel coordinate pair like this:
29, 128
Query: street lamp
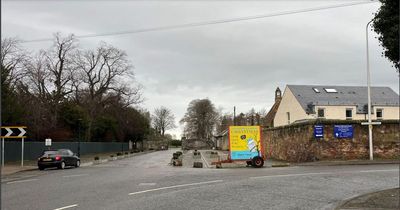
371, 155
79, 137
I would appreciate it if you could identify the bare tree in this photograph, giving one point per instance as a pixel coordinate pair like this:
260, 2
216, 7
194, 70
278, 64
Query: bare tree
200, 119
102, 72
12, 59
163, 120
60, 65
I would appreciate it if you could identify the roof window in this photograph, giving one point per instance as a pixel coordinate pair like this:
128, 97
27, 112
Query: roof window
330, 90
316, 90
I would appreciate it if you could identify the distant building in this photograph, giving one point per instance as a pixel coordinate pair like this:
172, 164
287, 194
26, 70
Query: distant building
303, 102
269, 118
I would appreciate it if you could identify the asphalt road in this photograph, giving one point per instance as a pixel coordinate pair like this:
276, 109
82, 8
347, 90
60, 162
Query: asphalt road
148, 182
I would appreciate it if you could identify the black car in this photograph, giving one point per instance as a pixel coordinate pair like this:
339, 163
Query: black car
58, 158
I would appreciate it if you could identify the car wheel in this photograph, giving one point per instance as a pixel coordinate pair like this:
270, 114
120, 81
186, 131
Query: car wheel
257, 162
41, 168
62, 165
78, 163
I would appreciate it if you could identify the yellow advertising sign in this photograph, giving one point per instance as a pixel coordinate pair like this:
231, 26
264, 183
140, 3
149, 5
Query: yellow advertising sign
244, 142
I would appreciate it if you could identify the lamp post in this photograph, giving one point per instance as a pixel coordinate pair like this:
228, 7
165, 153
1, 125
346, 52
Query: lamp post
79, 137
371, 155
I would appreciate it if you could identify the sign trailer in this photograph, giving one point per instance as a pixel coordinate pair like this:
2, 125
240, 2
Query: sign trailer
13, 132
245, 145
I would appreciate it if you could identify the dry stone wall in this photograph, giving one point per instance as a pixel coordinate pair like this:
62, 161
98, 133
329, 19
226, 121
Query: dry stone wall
296, 142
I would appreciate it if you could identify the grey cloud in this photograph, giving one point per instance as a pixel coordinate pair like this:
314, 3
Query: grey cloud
235, 64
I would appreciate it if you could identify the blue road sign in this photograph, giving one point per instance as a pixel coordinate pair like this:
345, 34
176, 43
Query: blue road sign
318, 131
343, 131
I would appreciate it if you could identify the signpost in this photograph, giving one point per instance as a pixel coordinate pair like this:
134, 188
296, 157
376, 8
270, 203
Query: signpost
15, 132
47, 142
370, 124
318, 131
343, 131
244, 142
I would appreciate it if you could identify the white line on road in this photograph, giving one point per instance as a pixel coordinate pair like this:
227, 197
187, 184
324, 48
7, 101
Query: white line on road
75, 175
288, 175
175, 186
67, 207
204, 160
368, 171
20, 181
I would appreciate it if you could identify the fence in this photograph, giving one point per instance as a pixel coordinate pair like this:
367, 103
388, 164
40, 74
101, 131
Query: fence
32, 150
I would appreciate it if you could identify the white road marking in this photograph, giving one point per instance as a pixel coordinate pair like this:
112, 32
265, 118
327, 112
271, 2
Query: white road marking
288, 175
175, 186
75, 175
147, 184
369, 171
21, 181
204, 160
67, 207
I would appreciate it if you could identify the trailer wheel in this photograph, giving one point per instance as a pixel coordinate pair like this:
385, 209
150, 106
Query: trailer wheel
258, 162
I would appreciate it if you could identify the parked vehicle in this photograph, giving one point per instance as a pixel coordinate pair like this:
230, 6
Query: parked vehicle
58, 158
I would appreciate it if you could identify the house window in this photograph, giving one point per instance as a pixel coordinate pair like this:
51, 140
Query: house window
288, 117
321, 113
349, 113
379, 113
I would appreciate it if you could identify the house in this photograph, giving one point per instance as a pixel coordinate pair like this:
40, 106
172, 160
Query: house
304, 102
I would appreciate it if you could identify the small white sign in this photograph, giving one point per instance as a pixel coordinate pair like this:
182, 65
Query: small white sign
48, 142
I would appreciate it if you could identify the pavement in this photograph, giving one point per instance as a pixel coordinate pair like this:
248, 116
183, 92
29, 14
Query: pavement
385, 200
86, 160
137, 182
208, 159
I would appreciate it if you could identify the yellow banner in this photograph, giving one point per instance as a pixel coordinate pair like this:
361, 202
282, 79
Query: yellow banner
244, 142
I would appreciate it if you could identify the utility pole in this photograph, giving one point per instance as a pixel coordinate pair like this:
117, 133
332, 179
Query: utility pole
234, 115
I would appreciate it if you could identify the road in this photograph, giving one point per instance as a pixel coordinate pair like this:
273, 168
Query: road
148, 182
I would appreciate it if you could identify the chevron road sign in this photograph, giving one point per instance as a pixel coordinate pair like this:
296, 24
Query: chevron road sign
16, 132
13, 132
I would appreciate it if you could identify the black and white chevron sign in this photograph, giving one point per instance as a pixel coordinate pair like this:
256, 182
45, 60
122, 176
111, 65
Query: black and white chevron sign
13, 132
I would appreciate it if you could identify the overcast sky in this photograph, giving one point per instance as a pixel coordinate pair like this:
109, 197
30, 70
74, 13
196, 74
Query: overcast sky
233, 64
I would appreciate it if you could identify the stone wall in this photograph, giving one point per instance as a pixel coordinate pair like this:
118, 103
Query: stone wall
194, 144
296, 142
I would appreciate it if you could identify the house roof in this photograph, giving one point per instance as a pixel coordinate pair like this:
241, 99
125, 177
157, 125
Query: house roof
310, 96
269, 118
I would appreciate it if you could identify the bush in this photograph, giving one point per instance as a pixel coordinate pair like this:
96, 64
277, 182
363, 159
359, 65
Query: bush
126, 153
111, 155
119, 154
96, 158
175, 143
131, 152
151, 148
175, 155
